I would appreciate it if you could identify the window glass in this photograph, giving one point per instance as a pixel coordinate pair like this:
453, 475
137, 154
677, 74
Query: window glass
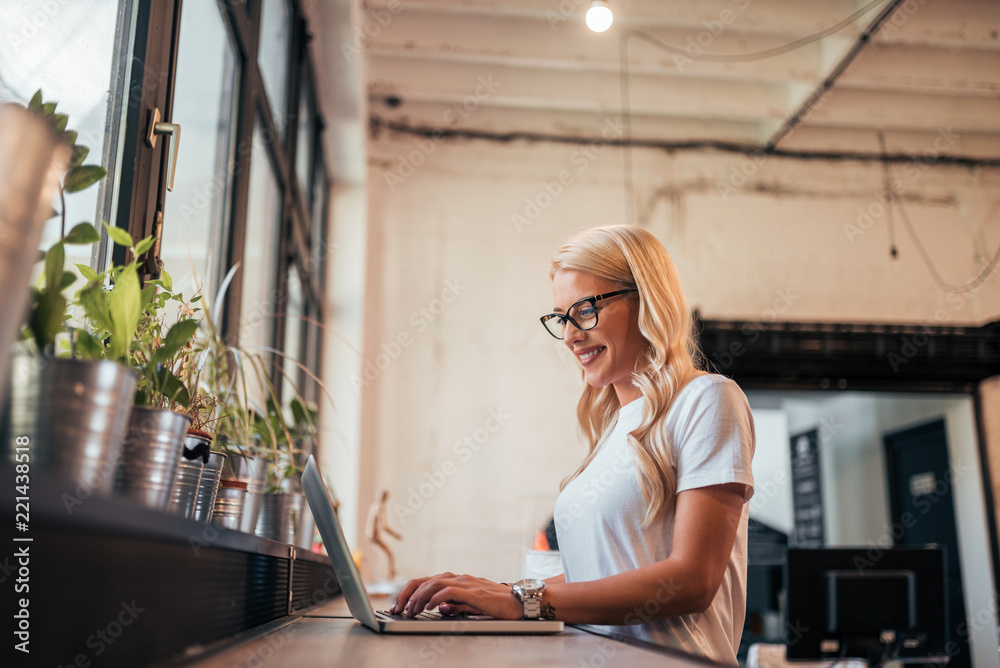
318, 215
67, 50
260, 252
311, 389
294, 312
196, 213
304, 142
275, 31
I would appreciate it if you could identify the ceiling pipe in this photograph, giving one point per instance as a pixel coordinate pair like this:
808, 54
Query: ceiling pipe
856, 49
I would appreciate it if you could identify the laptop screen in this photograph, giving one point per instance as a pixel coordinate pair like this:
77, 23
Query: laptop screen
336, 545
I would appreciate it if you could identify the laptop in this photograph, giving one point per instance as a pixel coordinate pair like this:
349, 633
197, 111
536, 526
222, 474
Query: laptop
354, 591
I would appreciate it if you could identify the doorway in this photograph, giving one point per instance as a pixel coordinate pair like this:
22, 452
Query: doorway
919, 483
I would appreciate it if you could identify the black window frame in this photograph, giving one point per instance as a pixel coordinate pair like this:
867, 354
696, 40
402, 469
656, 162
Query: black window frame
143, 173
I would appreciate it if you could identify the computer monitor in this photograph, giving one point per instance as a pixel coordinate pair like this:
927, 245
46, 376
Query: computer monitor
874, 603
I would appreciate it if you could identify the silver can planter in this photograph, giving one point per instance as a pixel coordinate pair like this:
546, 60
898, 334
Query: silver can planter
280, 515
229, 504
208, 487
149, 456
185, 487
194, 456
74, 413
306, 528
253, 472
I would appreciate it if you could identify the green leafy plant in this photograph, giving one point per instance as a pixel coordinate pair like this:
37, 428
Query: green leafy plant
291, 443
127, 323
48, 313
223, 379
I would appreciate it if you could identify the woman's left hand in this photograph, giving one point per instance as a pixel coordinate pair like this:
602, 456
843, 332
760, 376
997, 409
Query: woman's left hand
452, 594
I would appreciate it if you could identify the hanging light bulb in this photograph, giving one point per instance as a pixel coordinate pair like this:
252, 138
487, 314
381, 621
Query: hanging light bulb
599, 16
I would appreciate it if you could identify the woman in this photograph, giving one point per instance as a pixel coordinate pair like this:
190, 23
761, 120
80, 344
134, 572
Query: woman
652, 527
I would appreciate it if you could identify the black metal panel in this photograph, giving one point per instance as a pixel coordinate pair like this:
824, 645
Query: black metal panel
114, 584
830, 356
312, 584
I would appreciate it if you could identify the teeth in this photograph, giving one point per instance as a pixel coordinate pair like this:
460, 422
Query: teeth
584, 358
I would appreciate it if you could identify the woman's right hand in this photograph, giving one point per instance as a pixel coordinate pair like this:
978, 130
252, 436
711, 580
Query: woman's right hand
453, 594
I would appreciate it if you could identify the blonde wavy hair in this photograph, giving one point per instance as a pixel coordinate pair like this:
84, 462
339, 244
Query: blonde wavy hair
632, 257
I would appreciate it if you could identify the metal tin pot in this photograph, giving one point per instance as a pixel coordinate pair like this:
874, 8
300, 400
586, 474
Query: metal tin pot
208, 487
304, 531
229, 504
253, 472
149, 456
73, 413
280, 515
186, 483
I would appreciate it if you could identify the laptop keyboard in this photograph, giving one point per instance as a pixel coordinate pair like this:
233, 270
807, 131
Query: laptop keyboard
425, 616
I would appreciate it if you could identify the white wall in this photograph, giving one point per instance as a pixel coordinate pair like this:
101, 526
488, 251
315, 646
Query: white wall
459, 237
343, 339
772, 471
448, 211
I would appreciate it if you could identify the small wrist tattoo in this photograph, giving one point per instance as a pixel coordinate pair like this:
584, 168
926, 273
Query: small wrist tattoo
548, 611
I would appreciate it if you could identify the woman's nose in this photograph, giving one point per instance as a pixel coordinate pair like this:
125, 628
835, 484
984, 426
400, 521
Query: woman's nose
571, 334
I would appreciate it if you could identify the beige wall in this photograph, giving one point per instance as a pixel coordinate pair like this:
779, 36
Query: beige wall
788, 246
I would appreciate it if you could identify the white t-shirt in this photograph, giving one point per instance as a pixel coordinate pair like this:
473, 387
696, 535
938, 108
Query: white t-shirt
599, 515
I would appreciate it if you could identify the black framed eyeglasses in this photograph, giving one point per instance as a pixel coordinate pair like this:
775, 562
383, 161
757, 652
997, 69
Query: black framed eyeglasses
583, 314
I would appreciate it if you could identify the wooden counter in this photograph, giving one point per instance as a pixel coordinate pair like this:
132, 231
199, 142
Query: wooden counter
328, 636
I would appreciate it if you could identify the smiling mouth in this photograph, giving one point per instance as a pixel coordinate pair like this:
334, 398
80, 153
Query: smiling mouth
588, 357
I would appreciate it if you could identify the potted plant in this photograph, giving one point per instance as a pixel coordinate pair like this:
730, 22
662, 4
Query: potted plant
285, 516
73, 411
129, 323
220, 376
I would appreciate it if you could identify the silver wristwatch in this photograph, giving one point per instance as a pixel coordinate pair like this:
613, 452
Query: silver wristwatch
529, 592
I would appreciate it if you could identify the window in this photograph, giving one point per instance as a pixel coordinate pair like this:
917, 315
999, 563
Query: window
294, 313
117, 67
304, 141
197, 211
258, 305
69, 51
275, 31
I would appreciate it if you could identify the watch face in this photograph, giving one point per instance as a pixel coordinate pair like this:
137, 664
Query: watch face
529, 587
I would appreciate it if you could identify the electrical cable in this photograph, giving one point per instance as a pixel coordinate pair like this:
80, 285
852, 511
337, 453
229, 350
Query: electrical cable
925, 256
758, 55
944, 285
624, 73
889, 195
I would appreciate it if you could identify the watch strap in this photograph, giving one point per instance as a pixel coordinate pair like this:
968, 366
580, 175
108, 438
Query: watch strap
532, 607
